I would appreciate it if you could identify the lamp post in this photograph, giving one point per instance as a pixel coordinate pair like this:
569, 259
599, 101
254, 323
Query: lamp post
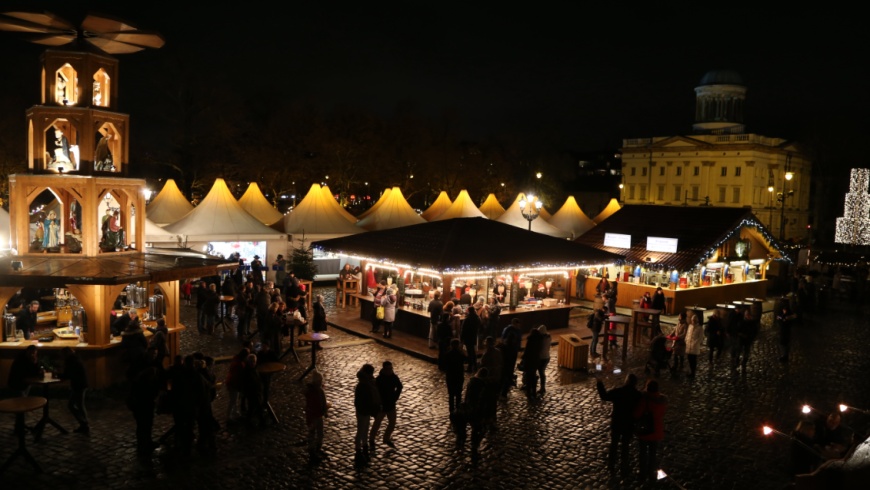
531, 209
786, 193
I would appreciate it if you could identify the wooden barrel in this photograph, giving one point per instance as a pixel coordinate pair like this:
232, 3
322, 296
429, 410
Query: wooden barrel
558, 293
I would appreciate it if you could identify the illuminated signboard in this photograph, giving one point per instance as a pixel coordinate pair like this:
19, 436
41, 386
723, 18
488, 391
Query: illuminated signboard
617, 240
659, 244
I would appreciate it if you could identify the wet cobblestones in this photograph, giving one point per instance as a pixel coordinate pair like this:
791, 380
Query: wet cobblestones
713, 437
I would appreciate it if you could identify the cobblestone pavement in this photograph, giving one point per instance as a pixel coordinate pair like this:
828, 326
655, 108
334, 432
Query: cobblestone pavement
713, 438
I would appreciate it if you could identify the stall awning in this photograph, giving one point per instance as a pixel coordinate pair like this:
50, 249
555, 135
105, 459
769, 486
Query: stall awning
461, 244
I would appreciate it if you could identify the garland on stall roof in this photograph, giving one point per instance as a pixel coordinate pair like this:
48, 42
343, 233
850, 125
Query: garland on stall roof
747, 223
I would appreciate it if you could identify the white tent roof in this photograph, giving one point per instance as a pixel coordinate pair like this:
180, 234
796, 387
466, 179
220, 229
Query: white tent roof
514, 216
168, 206
612, 207
392, 213
154, 233
318, 214
339, 207
571, 218
491, 207
442, 202
462, 207
254, 202
384, 197
219, 217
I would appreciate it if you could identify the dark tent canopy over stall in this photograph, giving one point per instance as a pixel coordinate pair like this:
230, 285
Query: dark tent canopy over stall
464, 244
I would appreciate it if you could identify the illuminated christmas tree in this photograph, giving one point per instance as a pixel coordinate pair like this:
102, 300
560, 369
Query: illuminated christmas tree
854, 227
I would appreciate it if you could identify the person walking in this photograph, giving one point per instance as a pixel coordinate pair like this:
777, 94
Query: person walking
595, 324
367, 404
389, 303
650, 414
316, 409
624, 398
389, 388
475, 406
543, 358
529, 362
444, 334
454, 370
785, 319
511, 340
694, 336
679, 339
435, 309
378, 296
74, 371
319, 324
747, 331
715, 333
470, 329
492, 360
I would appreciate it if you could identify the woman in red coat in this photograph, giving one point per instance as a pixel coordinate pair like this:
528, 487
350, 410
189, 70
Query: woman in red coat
650, 416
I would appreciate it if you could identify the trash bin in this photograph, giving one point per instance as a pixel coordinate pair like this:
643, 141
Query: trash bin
573, 352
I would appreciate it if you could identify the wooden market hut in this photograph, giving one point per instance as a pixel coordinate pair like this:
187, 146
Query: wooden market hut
718, 255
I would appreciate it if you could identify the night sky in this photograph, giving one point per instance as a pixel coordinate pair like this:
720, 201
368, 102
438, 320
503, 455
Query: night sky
578, 77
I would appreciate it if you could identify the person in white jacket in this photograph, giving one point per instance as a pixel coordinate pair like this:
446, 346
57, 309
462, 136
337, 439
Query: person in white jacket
694, 337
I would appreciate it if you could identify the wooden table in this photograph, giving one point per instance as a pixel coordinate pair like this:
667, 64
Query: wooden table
314, 339
46, 418
643, 318
347, 290
267, 369
20, 406
225, 307
617, 320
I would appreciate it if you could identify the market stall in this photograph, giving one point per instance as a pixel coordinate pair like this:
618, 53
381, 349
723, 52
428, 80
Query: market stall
697, 255
469, 253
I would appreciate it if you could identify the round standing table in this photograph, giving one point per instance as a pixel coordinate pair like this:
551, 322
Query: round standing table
46, 418
314, 339
20, 406
268, 369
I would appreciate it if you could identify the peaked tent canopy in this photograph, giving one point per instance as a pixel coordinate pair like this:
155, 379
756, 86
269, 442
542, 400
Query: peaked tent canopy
391, 213
219, 217
168, 206
344, 212
318, 214
442, 202
254, 202
154, 233
491, 207
514, 216
612, 207
376, 205
462, 207
443, 246
571, 218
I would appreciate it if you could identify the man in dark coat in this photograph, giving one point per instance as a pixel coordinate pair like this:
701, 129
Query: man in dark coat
74, 371
470, 329
27, 319
624, 399
389, 387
